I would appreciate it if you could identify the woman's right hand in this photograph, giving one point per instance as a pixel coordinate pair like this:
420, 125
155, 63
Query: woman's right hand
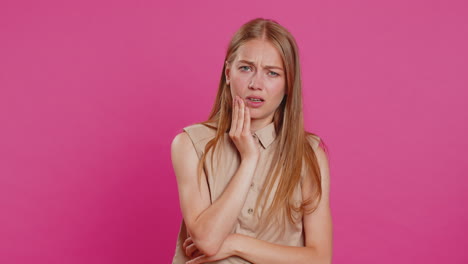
240, 132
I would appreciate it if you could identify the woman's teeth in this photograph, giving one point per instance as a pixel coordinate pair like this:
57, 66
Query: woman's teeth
255, 99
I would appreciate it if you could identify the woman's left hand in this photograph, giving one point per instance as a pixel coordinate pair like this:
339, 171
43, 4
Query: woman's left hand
226, 250
190, 249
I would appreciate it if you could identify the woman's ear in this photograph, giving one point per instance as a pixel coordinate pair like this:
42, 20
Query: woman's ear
227, 72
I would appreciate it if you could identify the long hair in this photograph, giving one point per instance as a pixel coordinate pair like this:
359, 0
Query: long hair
294, 147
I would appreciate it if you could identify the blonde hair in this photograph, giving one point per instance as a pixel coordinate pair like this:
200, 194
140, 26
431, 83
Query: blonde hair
294, 149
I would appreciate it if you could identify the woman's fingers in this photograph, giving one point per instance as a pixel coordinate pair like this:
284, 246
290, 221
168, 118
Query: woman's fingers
247, 121
240, 118
240, 132
187, 242
190, 250
197, 253
235, 114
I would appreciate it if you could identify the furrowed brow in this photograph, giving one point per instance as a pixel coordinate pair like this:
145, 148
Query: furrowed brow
267, 66
274, 67
246, 62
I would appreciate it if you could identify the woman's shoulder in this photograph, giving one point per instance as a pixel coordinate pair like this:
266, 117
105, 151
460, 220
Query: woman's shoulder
314, 140
204, 126
198, 132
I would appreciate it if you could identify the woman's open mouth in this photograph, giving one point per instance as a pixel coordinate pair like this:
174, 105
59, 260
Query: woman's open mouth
254, 101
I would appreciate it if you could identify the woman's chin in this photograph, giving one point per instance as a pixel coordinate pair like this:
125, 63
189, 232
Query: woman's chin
254, 115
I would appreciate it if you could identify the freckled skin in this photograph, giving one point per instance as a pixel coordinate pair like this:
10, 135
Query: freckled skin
268, 83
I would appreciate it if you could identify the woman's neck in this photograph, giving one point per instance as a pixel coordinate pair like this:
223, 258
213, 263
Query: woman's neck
257, 124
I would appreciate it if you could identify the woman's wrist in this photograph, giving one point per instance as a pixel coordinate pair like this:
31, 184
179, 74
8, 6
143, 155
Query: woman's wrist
250, 159
235, 243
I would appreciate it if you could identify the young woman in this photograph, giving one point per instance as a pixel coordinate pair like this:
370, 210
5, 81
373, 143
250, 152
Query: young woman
253, 184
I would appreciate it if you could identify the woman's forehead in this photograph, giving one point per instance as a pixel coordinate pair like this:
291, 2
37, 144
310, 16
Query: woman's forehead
259, 51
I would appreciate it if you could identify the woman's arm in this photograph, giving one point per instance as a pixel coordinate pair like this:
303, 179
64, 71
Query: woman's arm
259, 251
209, 224
317, 228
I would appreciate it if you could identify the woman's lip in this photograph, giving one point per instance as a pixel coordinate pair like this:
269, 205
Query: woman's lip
254, 104
255, 97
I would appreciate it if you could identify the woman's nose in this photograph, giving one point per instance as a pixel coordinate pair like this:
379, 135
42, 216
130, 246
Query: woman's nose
256, 82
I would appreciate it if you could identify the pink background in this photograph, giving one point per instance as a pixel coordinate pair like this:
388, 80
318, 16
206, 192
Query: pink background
93, 92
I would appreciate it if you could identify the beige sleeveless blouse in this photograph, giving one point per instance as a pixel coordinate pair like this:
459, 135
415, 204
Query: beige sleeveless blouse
225, 164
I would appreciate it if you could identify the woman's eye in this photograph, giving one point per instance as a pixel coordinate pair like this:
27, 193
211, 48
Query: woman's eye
244, 68
272, 73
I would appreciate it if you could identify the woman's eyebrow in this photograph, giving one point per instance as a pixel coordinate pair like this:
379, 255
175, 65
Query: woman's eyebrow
266, 66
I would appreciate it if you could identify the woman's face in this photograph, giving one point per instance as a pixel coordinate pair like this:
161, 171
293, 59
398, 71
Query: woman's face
257, 76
